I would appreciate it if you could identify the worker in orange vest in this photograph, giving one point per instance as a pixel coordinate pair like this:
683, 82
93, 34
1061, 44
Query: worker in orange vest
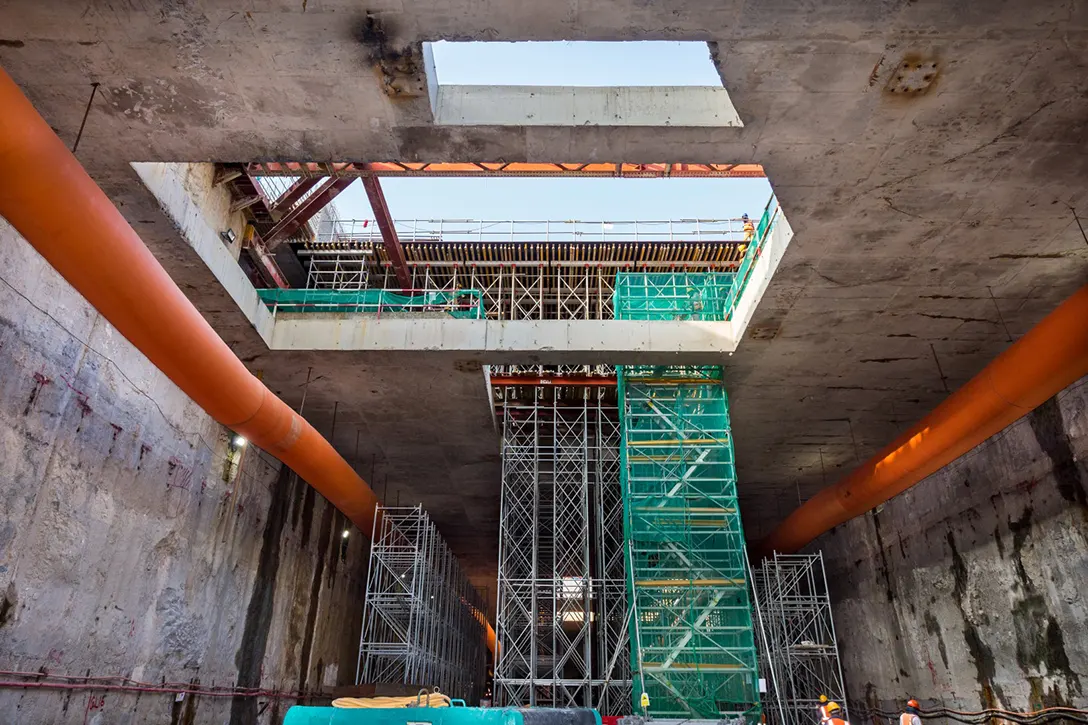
834, 714
910, 717
749, 228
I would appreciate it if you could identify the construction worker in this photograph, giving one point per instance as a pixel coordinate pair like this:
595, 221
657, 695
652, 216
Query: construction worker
834, 714
910, 717
749, 229
823, 708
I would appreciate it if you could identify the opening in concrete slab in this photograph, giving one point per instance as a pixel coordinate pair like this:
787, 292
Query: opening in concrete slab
505, 286
631, 83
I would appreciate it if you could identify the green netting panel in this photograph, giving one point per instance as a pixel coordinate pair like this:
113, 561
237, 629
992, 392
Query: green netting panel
693, 648
466, 303
672, 295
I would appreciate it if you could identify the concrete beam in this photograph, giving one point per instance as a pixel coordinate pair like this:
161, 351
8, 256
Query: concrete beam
693, 106
199, 221
545, 342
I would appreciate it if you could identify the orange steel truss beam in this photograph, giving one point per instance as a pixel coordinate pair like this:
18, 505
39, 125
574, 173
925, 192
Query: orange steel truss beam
403, 169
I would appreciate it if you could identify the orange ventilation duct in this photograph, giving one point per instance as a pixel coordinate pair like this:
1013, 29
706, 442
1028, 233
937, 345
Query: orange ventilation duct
1053, 355
52, 202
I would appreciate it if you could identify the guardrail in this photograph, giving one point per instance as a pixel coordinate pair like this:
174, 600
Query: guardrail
461, 303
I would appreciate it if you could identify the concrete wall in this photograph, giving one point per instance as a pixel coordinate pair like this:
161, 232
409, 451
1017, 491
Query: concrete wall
971, 589
134, 542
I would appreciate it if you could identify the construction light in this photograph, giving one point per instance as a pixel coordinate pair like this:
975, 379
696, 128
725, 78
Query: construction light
239, 442
345, 534
228, 236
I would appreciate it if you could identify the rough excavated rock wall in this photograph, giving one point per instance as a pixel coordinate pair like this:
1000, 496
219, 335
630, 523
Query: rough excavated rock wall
971, 589
135, 541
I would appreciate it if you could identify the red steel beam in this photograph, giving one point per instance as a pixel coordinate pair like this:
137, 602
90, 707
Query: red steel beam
252, 242
281, 205
402, 169
506, 381
384, 219
304, 212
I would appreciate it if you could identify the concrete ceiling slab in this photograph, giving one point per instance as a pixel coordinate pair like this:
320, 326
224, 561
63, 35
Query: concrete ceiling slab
909, 210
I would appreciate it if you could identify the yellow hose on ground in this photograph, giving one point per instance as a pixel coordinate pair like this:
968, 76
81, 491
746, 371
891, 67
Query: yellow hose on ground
423, 699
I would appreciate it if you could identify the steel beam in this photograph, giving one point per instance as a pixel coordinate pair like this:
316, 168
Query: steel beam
329, 189
252, 242
402, 169
289, 198
384, 219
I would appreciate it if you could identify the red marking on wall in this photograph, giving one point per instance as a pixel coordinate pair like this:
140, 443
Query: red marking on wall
178, 475
94, 702
144, 450
40, 381
79, 393
132, 627
1027, 485
55, 655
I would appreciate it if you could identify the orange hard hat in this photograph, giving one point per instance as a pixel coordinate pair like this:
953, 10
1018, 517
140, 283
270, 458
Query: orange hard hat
912, 703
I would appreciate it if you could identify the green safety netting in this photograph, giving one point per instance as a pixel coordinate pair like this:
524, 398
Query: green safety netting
672, 295
693, 646
706, 296
465, 303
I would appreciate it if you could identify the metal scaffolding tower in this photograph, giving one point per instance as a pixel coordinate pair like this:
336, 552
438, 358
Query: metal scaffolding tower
423, 623
693, 645
562, 609
694, 651
799, 650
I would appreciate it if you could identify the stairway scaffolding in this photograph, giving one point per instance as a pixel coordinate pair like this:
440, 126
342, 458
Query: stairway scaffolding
693, 647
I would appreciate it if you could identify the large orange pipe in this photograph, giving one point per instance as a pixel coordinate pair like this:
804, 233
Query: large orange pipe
52, 202
1053, 355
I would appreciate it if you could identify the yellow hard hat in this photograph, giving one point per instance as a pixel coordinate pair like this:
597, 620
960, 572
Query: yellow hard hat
832, 706
823, 698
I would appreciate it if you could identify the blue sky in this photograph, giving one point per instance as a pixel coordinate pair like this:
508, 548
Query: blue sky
568, 63
576, 63
561, 199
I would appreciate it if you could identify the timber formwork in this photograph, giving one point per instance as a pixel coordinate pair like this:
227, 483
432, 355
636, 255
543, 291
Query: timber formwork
523, 270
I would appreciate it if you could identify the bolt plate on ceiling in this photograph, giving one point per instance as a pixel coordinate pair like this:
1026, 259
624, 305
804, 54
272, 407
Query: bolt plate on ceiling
913, 76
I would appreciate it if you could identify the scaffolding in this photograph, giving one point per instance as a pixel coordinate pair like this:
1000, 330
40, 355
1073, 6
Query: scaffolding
562, 606
423, 622
523, 270
694, 652
799, 651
